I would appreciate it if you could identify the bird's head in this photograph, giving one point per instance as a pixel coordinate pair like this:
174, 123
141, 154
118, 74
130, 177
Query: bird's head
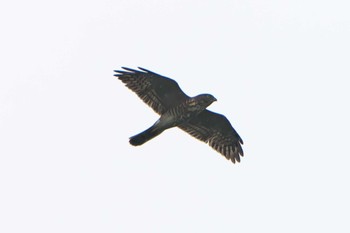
205, 99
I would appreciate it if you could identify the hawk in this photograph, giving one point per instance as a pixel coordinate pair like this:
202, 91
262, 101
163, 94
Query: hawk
176, 109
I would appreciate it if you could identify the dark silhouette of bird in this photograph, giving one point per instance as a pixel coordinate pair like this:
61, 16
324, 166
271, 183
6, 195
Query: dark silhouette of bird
176, 109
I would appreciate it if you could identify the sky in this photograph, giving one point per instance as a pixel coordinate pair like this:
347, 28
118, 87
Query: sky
280, 72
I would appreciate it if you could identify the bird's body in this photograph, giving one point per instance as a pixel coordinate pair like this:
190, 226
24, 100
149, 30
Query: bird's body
176, 109
173, 117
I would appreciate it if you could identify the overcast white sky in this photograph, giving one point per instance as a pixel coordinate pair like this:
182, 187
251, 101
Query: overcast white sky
280, 72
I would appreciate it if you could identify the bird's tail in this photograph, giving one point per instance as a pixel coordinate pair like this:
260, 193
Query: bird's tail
145, 136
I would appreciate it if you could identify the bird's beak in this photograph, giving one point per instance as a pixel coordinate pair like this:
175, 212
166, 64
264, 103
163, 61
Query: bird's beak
215, 99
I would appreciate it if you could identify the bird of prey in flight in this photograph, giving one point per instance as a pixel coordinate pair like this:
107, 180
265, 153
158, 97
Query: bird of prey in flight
176, 109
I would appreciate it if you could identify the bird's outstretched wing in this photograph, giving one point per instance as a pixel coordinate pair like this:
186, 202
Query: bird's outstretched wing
215, 129
159, 92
